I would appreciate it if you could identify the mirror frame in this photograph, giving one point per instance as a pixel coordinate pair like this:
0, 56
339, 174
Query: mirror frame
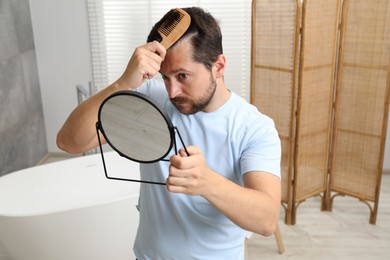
172, 133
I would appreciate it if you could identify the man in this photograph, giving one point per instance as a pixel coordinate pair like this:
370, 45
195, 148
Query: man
229, 183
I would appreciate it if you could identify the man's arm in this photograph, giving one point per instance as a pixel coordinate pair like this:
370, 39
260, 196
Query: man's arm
78, 134
254, 207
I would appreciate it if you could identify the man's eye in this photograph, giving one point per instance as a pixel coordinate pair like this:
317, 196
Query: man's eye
182, 76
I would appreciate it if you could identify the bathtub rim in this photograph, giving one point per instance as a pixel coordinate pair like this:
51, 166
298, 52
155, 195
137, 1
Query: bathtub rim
93, 164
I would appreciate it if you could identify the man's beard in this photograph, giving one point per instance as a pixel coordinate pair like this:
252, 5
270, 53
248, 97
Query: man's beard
188, 106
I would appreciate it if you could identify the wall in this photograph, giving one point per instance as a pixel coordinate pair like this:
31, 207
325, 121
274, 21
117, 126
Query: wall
62, 47
22, 127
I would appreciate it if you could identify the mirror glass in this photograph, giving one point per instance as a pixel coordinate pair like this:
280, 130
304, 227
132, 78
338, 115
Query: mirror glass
135, 127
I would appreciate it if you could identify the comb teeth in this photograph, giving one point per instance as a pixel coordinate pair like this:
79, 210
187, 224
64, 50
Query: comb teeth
173, 27
170, 23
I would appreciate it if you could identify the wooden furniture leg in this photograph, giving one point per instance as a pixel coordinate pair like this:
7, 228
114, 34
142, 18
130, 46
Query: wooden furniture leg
279, 240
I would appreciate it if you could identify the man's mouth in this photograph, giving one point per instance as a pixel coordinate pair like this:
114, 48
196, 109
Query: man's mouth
179, 100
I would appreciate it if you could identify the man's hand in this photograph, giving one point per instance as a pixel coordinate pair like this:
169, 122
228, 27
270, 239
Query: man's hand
144, 64
189, 174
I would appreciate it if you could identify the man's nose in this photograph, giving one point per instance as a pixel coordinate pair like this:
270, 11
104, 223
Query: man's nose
173, 88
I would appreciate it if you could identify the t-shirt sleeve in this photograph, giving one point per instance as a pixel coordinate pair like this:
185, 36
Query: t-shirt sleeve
154, 89
263, 149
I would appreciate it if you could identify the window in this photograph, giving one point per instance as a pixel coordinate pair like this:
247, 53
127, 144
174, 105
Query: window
118, 26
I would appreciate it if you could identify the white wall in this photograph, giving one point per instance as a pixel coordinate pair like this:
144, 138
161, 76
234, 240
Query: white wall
62, 45
62, 48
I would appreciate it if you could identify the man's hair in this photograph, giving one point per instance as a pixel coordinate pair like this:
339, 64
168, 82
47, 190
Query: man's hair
205, 33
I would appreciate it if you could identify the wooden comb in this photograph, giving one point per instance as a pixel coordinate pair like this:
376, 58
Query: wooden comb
174, 27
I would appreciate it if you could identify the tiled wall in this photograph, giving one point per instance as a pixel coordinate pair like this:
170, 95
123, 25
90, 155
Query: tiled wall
22, 129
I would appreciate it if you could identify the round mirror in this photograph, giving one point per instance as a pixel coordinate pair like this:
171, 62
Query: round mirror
135, 127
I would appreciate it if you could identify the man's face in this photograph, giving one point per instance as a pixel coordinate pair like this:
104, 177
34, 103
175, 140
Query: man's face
189, 84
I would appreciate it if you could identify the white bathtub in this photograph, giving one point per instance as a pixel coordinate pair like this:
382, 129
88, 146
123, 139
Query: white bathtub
68, 210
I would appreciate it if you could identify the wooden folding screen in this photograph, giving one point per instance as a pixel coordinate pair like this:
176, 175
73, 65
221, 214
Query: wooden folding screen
274, 69
293, 81
361, 110
315, 98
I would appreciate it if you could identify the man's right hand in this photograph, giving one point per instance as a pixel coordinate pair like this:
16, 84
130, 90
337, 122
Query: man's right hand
144, 64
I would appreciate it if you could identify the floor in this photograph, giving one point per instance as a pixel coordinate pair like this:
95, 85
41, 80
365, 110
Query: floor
343, 233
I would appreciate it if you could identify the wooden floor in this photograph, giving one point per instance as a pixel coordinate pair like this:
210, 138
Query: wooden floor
344, 233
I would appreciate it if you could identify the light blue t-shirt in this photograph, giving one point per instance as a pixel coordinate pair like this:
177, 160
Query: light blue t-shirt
235, 139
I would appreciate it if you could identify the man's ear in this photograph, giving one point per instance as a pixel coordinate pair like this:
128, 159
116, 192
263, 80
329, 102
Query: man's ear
219, 66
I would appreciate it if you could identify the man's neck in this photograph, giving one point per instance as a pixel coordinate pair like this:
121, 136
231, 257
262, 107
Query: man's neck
221, 96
